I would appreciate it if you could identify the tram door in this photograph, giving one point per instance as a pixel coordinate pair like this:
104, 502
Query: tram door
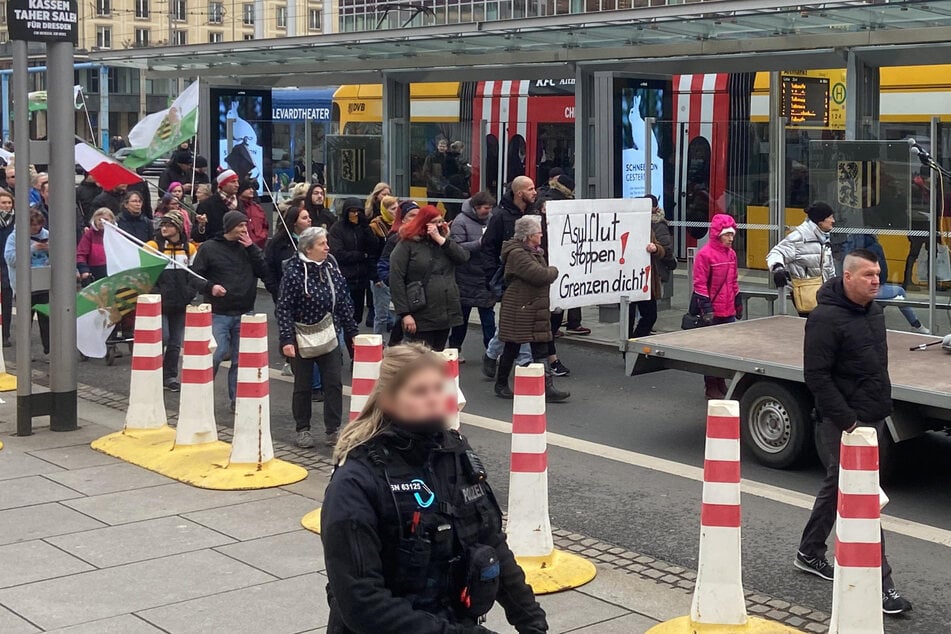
508, 150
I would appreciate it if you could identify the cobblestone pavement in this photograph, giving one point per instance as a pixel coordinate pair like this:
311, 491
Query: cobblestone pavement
604, 553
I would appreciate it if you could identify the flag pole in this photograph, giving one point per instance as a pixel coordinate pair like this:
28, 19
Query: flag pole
279, 214
152, 251
195, 139
92, 133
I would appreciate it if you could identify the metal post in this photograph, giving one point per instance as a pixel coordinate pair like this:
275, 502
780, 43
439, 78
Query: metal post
103, 108
229, 130
24, 277
777, 160
61, 126
396, 113
308, 152
258, 20
5, 97
933, 229
648, 151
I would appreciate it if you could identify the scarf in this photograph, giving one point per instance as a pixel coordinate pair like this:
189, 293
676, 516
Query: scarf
231, 201
6, 219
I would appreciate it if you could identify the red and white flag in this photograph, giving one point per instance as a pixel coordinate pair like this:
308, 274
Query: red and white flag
107, 171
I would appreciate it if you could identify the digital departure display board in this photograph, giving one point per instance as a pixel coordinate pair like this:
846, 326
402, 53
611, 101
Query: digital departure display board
805, 101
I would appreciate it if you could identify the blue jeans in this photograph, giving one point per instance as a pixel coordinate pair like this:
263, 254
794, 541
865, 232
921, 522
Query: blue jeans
494, 350
383, 319
226, 329
891, 291
486, 318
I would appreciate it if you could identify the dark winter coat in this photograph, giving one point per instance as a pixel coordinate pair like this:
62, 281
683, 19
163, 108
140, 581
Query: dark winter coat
279, 250
173, 174
467, 230
354, 247
525, 315
411, 261
845, 358
214, 208
371, 511
501, 227
137, 226
86, 193
108, 200
236, 268
383, 262
306, 297
321, 217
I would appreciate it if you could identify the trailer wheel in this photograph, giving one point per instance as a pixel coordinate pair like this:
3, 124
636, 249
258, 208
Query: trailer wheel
775, 424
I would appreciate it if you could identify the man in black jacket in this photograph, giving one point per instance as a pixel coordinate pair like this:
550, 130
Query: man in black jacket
845, 360
232, 264
211, 212
501, 227
179, 170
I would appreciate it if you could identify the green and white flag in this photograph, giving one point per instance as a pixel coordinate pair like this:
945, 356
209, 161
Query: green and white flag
102, 305
161, 132
38, 100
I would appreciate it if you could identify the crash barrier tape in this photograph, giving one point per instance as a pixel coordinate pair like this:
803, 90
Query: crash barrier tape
367, 358
196, 412
252, 411
455, 399
529, 525
146, 398
719, 603
8, 382
857, 588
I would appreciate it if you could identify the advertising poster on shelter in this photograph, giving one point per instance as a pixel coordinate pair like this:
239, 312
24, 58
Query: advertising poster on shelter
600, 250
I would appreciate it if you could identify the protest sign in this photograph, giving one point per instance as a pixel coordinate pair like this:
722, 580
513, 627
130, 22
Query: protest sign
600, 250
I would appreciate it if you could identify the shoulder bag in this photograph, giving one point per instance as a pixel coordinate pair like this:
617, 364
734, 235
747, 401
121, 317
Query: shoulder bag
416, 291
805, 289
692, 319
316, 340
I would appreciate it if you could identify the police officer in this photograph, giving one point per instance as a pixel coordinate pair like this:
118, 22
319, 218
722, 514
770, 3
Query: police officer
412, 533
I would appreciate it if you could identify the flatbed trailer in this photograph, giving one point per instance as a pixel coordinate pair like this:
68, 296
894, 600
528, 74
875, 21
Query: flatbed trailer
762, 362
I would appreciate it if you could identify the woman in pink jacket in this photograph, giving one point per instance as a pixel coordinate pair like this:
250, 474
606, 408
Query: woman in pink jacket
716, 289
90, 252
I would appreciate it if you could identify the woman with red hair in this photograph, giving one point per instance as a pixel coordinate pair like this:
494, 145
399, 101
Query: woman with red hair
423, 278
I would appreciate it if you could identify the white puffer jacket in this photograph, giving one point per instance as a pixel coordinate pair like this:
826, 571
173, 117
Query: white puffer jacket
805, 252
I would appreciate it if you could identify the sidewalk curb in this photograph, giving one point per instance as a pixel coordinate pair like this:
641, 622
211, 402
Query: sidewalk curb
603, 554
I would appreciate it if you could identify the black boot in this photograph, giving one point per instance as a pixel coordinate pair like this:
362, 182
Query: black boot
489, 366
553, 394
502, 389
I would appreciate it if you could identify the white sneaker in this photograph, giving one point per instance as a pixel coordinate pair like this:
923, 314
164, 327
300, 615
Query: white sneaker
923, 330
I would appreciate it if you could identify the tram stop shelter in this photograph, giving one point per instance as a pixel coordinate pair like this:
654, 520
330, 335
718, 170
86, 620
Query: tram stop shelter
593, 49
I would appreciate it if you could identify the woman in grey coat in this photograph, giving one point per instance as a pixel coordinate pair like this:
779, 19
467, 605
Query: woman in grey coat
467, 229
807, 250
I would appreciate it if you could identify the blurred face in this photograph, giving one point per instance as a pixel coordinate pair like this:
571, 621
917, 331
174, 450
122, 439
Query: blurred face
392, 209
169, 232
527, 194
535, 240
827, 224
238, 232
11, 177
247, 194
483, 211
317, 196
98, 220
41, 181
443, 145
420, 399
726, 238
319, 251
303, 222
174, 204
410, 215
45, 190
177, 191
861, 280
6, 203
134, 205
36, 226
384, 192
230, 188
353, 216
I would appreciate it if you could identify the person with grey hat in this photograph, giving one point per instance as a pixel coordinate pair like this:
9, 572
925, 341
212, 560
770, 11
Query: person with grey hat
177, 288
232, 264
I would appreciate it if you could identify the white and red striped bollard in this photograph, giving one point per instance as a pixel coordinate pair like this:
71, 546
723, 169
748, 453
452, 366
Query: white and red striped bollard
146, 392
718, 597
196, 412
455, 399
252, 415
367, 359
529, 526
857, 588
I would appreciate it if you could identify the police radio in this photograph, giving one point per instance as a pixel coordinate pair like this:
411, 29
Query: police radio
472, 465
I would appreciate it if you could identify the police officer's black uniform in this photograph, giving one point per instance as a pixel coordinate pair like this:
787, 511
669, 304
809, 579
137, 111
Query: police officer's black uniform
413, 541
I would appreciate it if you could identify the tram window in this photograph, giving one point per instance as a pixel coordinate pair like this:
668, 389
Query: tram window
515, 158
490, 165
440, 160
555, 148
698, 185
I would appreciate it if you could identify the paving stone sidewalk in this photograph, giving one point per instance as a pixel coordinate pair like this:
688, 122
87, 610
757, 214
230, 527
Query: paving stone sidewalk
89, 544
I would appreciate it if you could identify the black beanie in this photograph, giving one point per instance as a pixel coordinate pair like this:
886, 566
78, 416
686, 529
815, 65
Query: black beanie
232, 219
819, 211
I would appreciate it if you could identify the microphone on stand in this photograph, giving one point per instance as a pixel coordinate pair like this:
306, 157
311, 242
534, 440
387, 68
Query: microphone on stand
922, 155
